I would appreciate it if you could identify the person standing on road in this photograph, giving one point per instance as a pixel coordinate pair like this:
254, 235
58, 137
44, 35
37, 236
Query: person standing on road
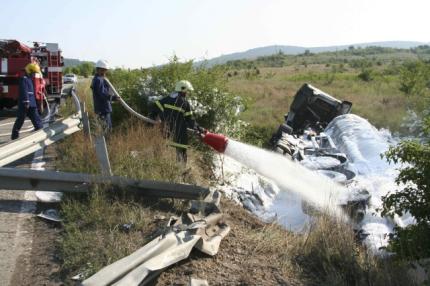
27, 102
174, 111
102, 95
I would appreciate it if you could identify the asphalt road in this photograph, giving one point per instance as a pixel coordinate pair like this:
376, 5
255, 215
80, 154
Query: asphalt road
17, 208
6, 125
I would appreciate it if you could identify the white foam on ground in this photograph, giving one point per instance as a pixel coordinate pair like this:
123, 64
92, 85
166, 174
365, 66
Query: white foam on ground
251, 170
363, 144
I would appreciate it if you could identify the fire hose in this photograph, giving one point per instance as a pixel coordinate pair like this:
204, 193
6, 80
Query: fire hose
216, 141
127, 107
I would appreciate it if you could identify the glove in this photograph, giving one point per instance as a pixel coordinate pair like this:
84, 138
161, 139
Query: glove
115, 97
26, 105
200, 129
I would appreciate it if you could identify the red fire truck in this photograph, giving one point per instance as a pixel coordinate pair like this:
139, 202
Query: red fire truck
14, 56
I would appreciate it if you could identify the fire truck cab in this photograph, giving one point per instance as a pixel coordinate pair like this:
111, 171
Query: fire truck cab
14, 56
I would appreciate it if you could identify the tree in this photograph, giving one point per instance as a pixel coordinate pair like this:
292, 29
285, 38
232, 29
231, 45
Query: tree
75, 70
67, 70
86, 69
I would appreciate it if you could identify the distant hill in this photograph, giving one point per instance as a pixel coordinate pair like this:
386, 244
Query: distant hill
72, 62
294, 50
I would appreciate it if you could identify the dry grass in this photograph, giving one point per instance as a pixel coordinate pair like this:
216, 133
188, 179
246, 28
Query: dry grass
93, 224
93, 234
326, 254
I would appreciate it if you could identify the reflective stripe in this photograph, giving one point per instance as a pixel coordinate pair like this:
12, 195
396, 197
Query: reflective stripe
174, 144
4, 67
188, 113
55, 69
159, 105
174, 108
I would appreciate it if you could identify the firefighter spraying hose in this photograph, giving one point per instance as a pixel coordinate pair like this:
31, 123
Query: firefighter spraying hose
217, 141
315, 188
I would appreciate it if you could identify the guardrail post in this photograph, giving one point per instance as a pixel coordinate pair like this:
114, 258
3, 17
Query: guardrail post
85, 122
103, 156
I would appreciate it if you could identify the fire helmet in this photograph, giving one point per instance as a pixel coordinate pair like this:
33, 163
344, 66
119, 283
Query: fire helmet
184, 86
32, 68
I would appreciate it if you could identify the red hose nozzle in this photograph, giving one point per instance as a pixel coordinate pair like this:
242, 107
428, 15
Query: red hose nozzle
216, 141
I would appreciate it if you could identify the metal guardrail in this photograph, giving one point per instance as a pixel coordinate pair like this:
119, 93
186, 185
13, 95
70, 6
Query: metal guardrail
20, 148
26, 179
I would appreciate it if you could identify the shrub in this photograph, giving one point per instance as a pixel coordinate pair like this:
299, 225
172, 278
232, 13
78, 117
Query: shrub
366, 75
214, 107
414, 197
414, 78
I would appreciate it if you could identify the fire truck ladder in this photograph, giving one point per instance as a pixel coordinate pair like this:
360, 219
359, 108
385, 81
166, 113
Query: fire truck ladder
54, 76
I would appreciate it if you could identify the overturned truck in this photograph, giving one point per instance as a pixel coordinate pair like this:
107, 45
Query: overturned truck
305, 137
301, 137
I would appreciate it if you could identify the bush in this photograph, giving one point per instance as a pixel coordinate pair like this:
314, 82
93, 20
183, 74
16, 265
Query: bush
214, 107
366, 75
415, 78
258, 135
84, 69
414, 198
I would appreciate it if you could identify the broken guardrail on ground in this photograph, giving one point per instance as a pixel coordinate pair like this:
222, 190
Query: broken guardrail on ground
140, 267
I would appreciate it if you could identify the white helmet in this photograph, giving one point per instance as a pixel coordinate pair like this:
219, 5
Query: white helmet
184, 86
102, 64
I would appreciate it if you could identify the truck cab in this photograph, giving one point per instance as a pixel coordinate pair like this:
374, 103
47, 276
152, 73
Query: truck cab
313, 108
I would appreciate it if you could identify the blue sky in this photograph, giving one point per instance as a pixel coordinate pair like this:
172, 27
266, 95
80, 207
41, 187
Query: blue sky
133, 33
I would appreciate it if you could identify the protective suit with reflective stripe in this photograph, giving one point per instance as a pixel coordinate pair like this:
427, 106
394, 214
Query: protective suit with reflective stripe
26, 107
175, 112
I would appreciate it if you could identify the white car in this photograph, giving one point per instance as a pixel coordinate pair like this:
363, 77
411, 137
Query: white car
70, 78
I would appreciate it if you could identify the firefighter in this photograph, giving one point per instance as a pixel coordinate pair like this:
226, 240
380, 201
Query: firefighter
102, 95
175, 112
27, 102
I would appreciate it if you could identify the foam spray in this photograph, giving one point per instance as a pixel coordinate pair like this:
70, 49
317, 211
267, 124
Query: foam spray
315, 188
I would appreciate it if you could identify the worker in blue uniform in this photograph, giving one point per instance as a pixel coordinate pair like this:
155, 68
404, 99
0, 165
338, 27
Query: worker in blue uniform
27, 102
175, 113
102, 95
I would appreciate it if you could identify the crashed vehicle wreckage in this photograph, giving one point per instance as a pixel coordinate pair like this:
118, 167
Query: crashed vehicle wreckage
304, 137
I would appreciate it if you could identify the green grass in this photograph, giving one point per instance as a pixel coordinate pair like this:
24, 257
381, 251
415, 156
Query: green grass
269, 96
376, 96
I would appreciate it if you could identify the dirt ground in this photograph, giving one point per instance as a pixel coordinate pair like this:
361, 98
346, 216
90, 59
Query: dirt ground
235, 264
